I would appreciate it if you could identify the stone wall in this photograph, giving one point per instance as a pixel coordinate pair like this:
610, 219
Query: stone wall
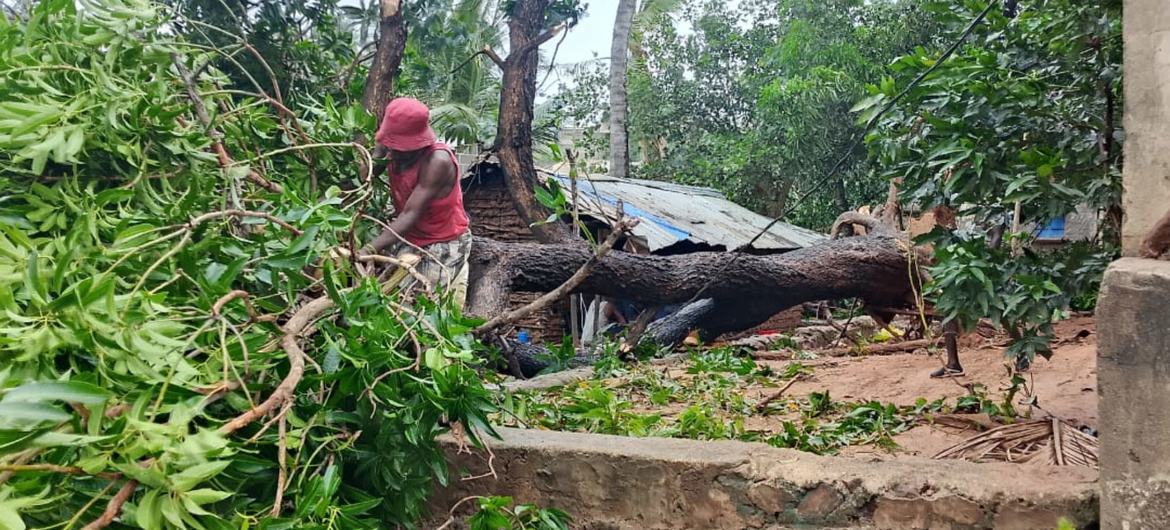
619, 483
1147, 118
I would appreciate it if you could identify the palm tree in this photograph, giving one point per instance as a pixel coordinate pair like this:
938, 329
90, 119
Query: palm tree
463, 94
619, 145
362, 19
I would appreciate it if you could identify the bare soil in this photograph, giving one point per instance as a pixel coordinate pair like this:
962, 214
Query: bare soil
1065, 387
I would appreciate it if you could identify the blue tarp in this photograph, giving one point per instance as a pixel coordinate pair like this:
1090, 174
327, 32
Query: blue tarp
630, 209
1053, 230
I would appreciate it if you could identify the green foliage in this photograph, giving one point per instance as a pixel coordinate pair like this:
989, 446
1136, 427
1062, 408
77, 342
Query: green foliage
299, 50
464, 94
857, 424
755, 101
715, 407
1028, 113
721, 360
119, 232
496, 513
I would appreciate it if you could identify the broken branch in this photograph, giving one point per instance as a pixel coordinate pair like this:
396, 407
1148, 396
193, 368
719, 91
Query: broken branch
296, 358
541, 39
50, 468
873, 226
217, 307
882, 349
779, 394
486, 51
114, 507
225, 160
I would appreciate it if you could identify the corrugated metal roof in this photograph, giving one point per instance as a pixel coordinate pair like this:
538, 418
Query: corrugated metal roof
672, 213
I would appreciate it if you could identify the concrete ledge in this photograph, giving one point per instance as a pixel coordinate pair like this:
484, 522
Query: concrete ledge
612, 482
1133, 374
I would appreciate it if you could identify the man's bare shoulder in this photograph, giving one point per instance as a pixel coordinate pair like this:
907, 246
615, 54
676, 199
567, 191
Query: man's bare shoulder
438, 164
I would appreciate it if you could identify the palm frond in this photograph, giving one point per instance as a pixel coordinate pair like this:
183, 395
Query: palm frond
1047, 442
457, 122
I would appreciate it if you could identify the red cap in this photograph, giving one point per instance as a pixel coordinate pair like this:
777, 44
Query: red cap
406, 126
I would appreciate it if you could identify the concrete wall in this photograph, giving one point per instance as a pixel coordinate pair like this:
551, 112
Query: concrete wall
1133, 373
619, 483
1147, 118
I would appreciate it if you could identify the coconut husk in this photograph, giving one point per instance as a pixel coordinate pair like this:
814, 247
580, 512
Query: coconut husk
1046, 442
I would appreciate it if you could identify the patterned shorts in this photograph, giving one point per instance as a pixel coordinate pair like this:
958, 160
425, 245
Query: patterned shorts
443, 266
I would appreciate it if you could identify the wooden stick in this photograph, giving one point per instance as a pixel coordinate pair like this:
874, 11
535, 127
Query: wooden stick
50, 468
770, 356
779, 393
882, 349
217, 307
282, 461
900, 311
114, 507
225, 160
296, 359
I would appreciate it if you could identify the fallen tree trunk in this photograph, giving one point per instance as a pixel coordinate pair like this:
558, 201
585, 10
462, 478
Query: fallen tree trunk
744, 290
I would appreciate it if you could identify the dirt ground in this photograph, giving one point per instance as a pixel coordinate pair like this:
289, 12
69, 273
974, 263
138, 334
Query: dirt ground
1065, 386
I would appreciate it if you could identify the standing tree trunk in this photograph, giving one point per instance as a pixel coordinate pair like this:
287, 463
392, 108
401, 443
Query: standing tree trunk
619, 144
391, 44
517, 103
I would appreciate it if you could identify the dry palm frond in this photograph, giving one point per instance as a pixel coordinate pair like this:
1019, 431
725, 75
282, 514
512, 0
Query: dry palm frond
1048, 442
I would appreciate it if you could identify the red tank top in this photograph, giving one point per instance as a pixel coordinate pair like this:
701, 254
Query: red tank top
445, 218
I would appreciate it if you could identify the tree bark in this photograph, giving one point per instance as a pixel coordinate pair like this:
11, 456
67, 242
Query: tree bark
514, 130
744, 290
619, 144
384, 68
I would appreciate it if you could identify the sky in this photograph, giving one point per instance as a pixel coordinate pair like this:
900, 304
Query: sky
589, 39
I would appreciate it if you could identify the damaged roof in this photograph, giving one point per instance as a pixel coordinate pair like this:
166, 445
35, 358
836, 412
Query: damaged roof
674, 213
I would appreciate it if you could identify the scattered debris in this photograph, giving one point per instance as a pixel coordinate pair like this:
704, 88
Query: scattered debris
1046, 442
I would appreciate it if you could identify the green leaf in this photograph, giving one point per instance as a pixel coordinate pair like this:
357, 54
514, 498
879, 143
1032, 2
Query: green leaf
26, 415
12, 441
172, 511
188, 478
303, 241
33, 283
59, 439
67, 391
433, 358
204, 496
195, 499
149, 511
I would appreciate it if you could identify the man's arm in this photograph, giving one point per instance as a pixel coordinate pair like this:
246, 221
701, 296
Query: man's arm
381, 158
613, 314
435, 179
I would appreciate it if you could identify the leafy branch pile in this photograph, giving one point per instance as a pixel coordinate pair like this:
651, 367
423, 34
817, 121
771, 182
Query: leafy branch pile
170, 358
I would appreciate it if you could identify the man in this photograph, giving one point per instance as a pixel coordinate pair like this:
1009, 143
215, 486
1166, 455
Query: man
618, 314
424, 187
